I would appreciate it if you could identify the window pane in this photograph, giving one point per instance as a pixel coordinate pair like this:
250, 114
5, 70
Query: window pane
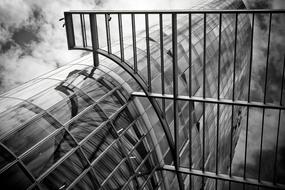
99, 142
48, 153
14, 118
14, 178
30, 134
111, 103
86, 123
87, 182
5, 157
66, 172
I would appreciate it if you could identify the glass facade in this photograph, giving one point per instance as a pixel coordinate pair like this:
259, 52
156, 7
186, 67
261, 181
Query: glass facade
78, 127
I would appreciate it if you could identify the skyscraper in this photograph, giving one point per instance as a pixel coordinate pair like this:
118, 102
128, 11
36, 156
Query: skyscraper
89, 127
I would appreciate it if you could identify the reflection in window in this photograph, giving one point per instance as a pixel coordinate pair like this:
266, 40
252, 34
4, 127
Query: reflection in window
30, 134
14, 178
66, 172
86, 123
5, 157
48, 153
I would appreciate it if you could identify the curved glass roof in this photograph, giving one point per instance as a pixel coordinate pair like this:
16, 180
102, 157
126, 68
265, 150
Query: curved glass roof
75, 126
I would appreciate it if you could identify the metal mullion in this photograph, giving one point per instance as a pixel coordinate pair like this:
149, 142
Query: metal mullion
134, 42
148, 53
121, 36
94, 38
217, 144
108, 35
278, 128
83, 30
162, 60
69, 30
219, 55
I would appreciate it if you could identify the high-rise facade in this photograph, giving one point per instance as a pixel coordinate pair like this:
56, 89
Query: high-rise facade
79, 127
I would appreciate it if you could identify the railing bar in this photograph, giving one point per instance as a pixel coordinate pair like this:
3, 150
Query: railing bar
121, 35
108, 35
190, 93
83, 30
175, 94
69, 30
267, 58
147, 53
219, 55
246, 138
134, 42
210, 100
94, 38
251, 58
179, 11
162, 60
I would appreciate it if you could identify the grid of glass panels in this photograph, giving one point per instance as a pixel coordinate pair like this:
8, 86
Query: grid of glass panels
76, 128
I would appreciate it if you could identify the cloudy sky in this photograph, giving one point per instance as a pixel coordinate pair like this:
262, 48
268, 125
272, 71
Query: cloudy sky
32, 42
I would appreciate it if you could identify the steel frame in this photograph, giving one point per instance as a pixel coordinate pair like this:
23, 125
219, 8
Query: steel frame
146, 86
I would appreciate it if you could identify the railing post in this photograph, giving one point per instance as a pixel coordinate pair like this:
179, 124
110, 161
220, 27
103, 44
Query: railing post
94, 38
69, 30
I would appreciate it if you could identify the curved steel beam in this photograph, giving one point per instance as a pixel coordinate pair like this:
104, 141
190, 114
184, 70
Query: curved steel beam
153, 102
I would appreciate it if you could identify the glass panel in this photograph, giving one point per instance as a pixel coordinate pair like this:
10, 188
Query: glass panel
99, 142
14, 118
14, 178
5, 157
94, 89
123, 120
30, 134
86, 123
66, 172
8, 103
35, 89
111, 103
48, 153
87, 182
108, 162
68, 72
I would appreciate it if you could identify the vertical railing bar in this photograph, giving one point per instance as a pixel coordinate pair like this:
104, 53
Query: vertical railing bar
251, 58
162, 60
264, 99
94, 38
278, 127
83, 30
107, 20
204, 96
121, 35
219, 56
148, 53
248, 99
218, 97
233, 95
175, 94
190, 94
69, 30
134, 42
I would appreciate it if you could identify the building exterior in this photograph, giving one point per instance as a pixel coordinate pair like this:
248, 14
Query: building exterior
79, 127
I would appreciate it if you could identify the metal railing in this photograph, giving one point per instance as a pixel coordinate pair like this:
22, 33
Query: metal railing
88, 38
